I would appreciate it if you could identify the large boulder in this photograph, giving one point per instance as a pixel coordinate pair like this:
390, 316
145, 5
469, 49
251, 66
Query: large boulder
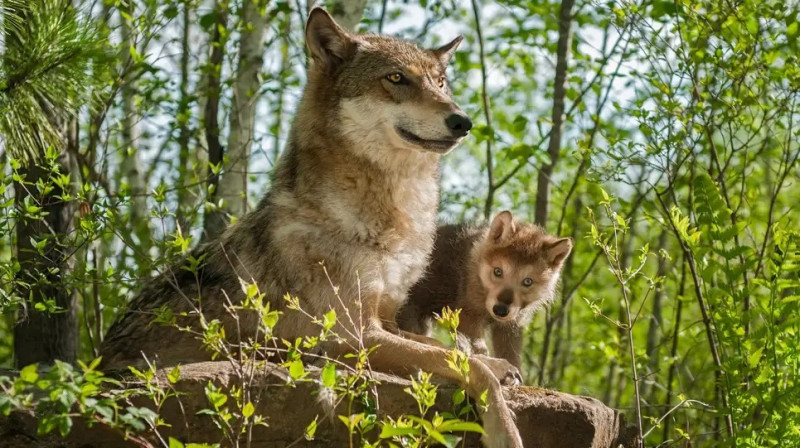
545, 418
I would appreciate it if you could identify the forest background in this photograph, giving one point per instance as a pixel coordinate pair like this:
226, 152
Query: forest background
660, 135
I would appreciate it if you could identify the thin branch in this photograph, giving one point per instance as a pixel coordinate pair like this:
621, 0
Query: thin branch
487, 112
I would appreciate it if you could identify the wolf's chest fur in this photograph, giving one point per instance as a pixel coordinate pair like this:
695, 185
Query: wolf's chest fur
360, 218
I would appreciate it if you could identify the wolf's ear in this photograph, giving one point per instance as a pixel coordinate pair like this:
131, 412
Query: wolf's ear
328, 43
502, 227
446, 51
558, 252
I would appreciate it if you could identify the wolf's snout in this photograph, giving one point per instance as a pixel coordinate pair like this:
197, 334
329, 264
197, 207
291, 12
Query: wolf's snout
500, 310
458, 124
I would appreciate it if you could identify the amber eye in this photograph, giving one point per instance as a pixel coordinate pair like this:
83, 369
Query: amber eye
527, 282
498, 272
441, 82
395, 78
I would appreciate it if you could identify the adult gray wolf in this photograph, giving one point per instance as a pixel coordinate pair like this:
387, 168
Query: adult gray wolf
355, 189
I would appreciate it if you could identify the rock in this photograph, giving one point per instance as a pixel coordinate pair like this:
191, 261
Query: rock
546, 418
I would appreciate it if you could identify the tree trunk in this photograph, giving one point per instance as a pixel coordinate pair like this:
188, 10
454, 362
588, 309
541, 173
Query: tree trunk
559, 92
131, 132
214, 223
184, 112
41, 336
232, 189
286, 30
348, 13
656, 320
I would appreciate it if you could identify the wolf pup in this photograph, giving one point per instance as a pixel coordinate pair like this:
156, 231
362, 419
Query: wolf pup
356, 189
498, 275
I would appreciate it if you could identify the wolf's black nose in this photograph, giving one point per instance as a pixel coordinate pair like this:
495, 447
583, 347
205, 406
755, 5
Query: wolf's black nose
458, 124
500, 310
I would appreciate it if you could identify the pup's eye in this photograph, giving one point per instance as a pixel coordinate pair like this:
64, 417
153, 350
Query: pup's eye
395, 78
441, 82
498, 272
527, 282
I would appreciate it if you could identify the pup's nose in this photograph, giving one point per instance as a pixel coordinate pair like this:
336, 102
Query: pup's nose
458, 124
500, 310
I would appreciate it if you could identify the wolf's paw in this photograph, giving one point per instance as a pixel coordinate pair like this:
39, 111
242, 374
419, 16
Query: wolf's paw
500, 431
504, 371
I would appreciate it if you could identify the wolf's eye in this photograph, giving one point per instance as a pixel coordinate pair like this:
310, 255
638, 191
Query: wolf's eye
395, 78
441, 82
527, 282
498, 272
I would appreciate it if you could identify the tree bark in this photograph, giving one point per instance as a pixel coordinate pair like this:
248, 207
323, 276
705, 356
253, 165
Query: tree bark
348, 13
131, 132
232, 189
39, 335
656, 319
213, 223
559, 92
184, 112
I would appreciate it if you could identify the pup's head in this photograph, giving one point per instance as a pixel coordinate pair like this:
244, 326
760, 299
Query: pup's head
518, 266
384, 93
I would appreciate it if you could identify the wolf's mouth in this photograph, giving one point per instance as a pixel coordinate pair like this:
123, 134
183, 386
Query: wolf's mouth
440, 146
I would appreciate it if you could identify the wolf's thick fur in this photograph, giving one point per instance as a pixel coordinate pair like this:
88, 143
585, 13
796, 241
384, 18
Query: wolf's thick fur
462, 275
356, 188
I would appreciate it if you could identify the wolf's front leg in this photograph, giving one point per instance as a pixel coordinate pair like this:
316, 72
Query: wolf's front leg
394, 354
507, 342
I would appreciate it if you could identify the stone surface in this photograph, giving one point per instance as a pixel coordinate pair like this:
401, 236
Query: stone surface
546, 418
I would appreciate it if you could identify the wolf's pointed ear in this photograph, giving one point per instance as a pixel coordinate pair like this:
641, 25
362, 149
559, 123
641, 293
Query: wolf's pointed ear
446, 51
502, 227
558, 252
328, 43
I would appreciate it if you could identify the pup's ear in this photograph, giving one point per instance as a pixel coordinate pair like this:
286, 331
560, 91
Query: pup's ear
446, 51
558, 252
502, 227
328, 43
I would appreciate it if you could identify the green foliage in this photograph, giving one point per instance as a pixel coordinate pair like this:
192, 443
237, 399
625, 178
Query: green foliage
676, 178
48, 49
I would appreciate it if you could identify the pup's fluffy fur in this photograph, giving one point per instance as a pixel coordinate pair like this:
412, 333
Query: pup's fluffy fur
498, 275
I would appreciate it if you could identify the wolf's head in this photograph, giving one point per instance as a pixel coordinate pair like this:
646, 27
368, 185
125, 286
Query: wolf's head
384, 95
519, 265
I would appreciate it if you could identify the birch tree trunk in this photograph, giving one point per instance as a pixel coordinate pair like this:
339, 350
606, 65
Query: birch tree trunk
348, 13
131, 165
559, 92
232, 188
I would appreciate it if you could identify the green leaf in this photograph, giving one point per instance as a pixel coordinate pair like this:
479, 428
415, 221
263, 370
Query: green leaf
170, 13
388, 431
296, 369
311, 430
174, 443
755, 357
460, 426
174, 375
791, 29
248, 409
459, 396
329, 320
329, 375
29, 374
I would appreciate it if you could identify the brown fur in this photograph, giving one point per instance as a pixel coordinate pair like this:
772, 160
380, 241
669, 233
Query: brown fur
461, 276
349, 191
